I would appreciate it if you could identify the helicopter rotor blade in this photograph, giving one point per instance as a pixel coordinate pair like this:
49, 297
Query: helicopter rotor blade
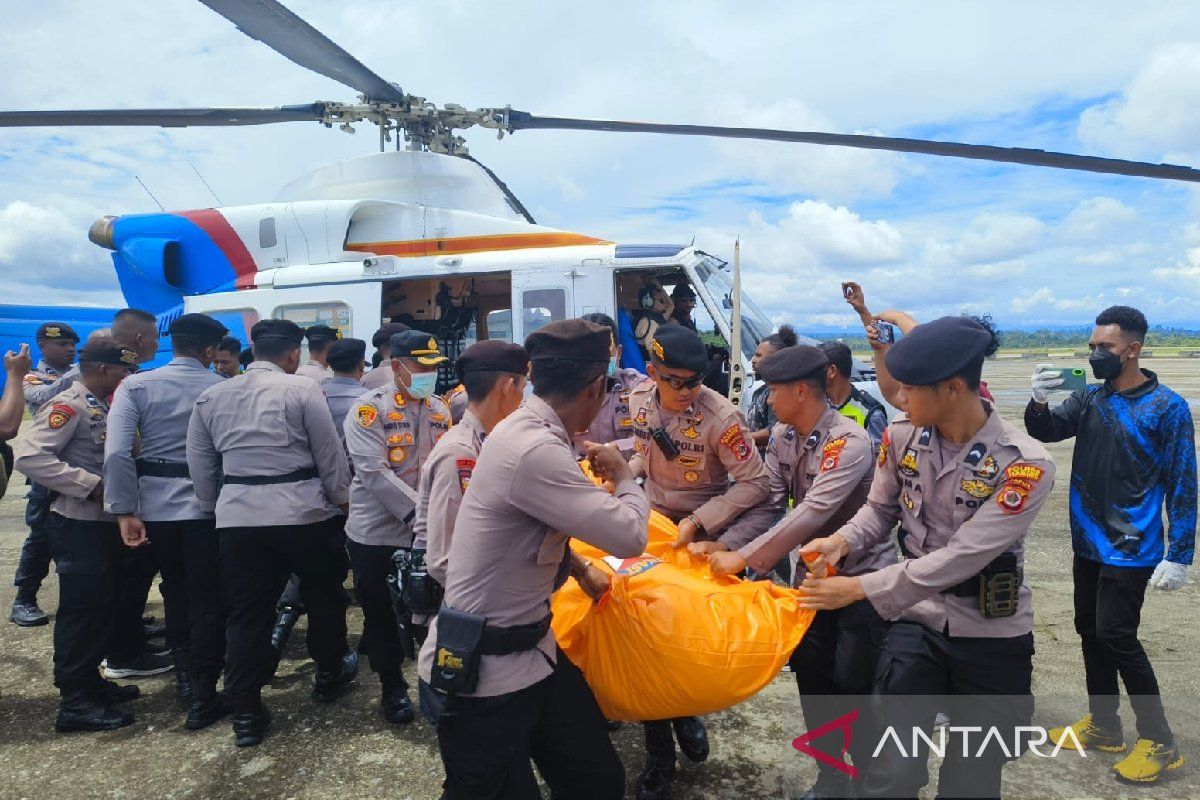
279, 28
520, 120
164, 117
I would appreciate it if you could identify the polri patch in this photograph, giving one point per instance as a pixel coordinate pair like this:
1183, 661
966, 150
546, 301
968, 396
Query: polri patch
465, 467
733, 439
366, 415
59, 415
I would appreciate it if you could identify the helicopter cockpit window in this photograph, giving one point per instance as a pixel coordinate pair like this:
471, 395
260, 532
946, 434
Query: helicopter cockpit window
266, 233
541, 306
718, 283
335, 315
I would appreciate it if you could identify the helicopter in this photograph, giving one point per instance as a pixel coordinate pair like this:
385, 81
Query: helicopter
425, 235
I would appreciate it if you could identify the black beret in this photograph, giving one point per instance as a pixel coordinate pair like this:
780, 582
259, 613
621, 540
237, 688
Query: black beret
277, 329
417, 345
570, 340
937, 350
386, 332
201, 326
105, 351
680, 348
493, 355
682, 291
791, 364
346, 354
321, 333
56, 330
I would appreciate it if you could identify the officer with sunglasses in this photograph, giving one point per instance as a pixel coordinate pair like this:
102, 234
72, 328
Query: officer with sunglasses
702, 470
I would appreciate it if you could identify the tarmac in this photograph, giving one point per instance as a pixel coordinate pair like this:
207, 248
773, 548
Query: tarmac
345, 750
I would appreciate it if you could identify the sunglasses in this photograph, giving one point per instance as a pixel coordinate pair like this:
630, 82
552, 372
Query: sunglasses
683, 383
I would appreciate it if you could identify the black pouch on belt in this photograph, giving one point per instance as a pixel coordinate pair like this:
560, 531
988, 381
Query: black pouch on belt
1000, 587
456, 658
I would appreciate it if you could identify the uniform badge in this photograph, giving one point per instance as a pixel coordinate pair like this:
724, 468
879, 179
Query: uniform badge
907, 500
658, 350
1011, 498
691, 476
33, 380
926, 436
908, 464
397, 455
691, 433
437, 417
812, 439
832, 453
884, 443
790, 435
641, 416
688, 461
988, 469
395, 439
1024, 472
398, 399
625, 422
366, 415
395, 415
95, 412
639, 446
465, 467
52, 332
975, 454
59, 415
978, 489
733, 439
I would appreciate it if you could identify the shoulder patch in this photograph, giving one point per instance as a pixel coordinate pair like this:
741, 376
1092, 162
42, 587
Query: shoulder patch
465, 467
366, 415
885, 443
60, 414
832, 452
34, 380
733, 439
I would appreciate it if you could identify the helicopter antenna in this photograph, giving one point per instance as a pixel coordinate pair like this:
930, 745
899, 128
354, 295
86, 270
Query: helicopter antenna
147, 189
220, 202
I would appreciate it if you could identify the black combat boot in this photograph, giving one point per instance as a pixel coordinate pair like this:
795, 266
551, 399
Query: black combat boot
80, 710
655, 781
25, 612
692, 738
208, 705
329, 686
249, 727
110, 692
396, 707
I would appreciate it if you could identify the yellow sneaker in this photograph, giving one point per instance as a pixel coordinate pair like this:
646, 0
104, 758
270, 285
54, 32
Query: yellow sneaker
1090, 735
1148, 761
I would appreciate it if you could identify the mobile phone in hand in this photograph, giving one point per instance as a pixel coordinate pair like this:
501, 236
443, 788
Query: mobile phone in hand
1073, 379
887, 332
848, 289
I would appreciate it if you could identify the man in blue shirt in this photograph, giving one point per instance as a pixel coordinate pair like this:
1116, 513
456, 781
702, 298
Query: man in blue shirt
1134, 452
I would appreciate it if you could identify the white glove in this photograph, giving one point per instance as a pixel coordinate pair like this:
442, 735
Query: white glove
1169, 576
1045, 378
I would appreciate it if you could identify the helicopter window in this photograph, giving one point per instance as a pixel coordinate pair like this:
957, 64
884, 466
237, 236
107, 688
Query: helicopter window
499, 325
541, 306
266, 233
719, 285
335, 315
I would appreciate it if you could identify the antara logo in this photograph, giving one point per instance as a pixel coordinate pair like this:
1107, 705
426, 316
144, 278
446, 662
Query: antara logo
842, 723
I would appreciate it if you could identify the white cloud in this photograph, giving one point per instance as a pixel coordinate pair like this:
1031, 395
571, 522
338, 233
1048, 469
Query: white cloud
996, 237
1100, 219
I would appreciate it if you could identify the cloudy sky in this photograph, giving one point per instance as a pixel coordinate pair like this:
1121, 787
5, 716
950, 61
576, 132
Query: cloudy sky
1030, 246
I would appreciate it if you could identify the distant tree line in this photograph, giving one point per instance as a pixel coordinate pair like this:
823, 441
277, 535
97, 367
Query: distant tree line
1042, 339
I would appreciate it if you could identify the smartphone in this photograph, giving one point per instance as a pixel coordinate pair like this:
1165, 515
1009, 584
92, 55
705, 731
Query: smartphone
1074, 379
847, 289
887, 332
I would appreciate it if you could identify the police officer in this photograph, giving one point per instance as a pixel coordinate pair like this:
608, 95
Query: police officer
320, 339
53, 375
346, 357
225, 362
389, 434
848, 399
152, 498
690, 444
63, 450
614, 425
523, 699
263, 453
684, 300
823, 462
381, 341
494, 376
965, 486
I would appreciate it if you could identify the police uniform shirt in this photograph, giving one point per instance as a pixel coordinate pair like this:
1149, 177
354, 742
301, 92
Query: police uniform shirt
151, 410
380, 376
63, 450
44, 383
444, 481
315, 371
458, 401
389, 437
341, 394
266, 422
714, 448
958, 514
511, 534
614, 423
828, 475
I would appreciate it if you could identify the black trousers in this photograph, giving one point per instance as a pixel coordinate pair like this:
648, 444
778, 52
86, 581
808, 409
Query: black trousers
188, 556
33, 565
981, 682
138, 567
371, 565
487, 744
835, 665
87, 557
1108, 611
255, 565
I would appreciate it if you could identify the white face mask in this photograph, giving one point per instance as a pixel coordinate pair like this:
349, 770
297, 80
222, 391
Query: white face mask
420, 384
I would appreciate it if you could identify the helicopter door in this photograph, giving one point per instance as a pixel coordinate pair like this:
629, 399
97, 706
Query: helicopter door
540, 297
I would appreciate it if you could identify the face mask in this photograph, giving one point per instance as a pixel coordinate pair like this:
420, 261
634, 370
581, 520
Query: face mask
421, 384
612, 366
1105, 365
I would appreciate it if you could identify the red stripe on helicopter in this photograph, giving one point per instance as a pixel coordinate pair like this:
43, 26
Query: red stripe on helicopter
472, 244
225, 237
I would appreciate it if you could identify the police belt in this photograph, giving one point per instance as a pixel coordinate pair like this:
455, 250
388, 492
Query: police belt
513, 639
149, 468
969, 587
308, 473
